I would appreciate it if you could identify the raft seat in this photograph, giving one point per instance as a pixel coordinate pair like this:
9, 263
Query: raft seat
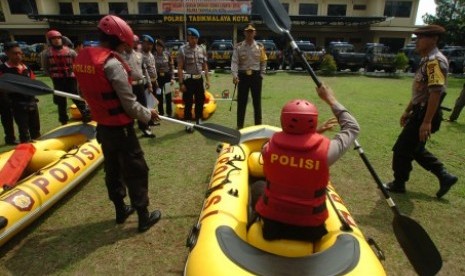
288, 248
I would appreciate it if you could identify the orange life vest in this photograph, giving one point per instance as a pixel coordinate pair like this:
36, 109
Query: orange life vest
297, 173
102, 99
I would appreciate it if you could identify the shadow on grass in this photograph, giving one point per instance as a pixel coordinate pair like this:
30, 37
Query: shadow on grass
404, 202
55, 249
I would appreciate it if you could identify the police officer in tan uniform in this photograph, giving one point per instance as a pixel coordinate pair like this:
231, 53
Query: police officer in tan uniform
422, 117
192, 59
248, 65
139, 78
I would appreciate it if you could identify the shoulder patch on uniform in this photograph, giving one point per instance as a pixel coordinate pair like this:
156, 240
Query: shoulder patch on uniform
434, 73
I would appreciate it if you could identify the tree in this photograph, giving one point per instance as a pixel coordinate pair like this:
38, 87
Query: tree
451, 15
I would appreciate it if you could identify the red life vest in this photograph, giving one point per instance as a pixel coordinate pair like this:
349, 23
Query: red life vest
16, 164
297, 172
61, 63
102, 99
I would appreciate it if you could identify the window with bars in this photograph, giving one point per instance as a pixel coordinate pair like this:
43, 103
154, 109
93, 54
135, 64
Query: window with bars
398, 8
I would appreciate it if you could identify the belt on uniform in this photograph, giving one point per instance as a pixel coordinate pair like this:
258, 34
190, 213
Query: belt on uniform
137, 82
192, 76
249, 72
161, 74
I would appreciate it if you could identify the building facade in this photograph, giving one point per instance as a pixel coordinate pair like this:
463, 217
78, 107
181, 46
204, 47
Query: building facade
320, 21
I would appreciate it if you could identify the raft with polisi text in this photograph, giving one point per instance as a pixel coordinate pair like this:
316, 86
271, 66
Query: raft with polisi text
62, 159
227, 240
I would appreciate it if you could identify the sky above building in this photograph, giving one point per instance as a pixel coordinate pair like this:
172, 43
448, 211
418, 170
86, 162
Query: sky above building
426, 6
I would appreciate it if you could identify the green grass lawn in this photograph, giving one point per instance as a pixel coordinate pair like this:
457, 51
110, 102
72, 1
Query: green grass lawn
78, 236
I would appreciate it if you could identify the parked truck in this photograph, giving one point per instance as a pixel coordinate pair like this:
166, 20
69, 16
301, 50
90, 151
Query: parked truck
220, 53
379, 57
311, 54
345, 56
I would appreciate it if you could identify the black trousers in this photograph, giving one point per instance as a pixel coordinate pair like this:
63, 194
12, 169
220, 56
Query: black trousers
195, 90
254, 84
7, 117
124, 164
408, 147
26, 115
275, 230
68, 85
139, 91
162, 80
459, 104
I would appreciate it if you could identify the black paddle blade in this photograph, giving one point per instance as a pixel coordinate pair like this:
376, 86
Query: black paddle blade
417, 245
87, 129
219, 133
274, 15
13, 83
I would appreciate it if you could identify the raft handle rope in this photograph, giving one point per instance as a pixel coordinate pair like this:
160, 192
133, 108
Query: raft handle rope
225, 180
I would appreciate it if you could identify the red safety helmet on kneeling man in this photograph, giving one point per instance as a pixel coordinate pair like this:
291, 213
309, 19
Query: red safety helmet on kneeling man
113, 25
299, 117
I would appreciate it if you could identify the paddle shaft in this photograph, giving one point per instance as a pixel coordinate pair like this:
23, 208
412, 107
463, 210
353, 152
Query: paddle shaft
234, 93
378, 181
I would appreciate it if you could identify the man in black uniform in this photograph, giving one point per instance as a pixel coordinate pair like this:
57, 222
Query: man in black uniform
24, 107
192, 59
422, 117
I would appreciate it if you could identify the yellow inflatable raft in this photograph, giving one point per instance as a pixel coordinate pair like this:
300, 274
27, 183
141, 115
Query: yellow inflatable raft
226, 240
62, 159
209, 106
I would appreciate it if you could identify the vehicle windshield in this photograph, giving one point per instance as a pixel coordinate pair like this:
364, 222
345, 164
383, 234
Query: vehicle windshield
306, 47
221, 46
381, 50
345, 49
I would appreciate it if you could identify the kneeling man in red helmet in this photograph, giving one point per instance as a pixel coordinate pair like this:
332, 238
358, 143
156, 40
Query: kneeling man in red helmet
296, 164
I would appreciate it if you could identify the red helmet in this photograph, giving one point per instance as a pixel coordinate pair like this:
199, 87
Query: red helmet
53, 33
113, 25
299, 117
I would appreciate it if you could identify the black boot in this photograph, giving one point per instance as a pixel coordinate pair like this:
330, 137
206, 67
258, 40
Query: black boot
123, 212
446, 181
146, 219
395, 187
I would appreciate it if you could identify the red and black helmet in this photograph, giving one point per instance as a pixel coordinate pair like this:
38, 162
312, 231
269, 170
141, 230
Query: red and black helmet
299, 117
53, 33
113, 25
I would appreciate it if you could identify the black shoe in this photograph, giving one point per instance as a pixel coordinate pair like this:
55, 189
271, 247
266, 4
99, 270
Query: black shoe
124, 213
395, 187
146, 221
148, 133
446, 181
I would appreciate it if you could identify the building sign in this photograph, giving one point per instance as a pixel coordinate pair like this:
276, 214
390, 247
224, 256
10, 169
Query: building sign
199, 18
213, 7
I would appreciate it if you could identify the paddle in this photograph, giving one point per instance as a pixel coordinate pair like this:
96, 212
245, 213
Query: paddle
12, 83
415, 242
232, 99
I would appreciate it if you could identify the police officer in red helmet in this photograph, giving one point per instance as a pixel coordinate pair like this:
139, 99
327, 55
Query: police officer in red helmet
103, 78
296, 164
